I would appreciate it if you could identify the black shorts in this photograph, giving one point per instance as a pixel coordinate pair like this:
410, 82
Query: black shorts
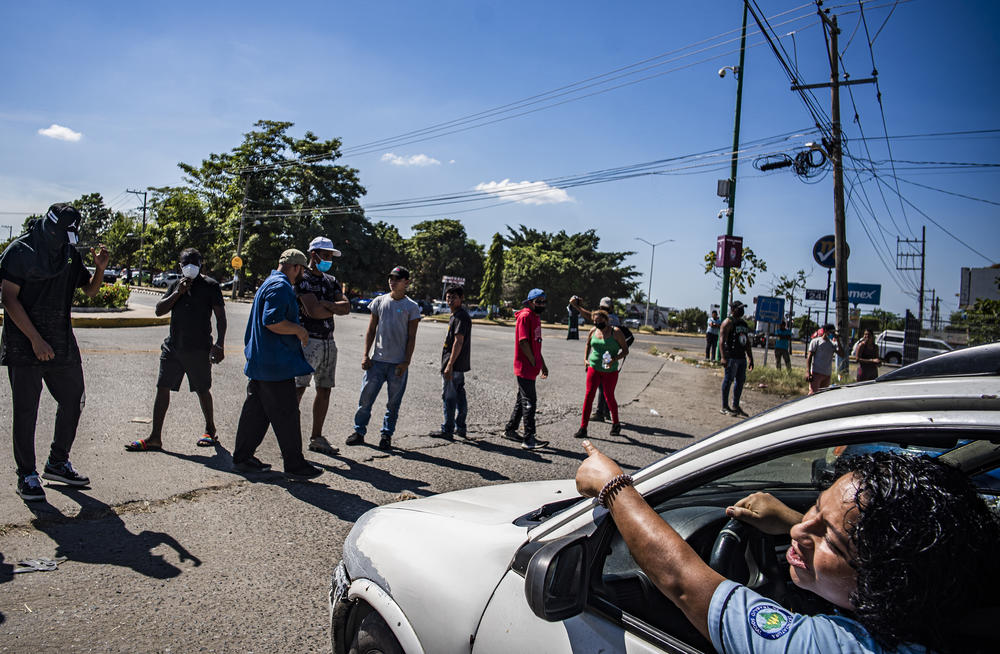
194, 363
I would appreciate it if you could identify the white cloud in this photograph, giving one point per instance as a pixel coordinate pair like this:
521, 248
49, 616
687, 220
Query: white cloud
413, 160
60, 133
526, 192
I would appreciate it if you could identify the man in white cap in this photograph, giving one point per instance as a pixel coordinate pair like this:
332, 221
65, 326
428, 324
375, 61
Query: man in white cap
320, 299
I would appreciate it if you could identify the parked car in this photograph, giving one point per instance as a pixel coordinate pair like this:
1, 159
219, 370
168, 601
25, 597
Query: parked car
476, 311
165, 279
110, 276
426, 308
440, 306
360, 304
632, 323
890, 347
551, 571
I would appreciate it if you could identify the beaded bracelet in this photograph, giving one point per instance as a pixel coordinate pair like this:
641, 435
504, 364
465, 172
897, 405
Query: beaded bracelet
611, 489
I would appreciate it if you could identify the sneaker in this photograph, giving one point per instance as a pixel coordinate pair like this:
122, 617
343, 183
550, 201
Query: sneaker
738, 411
616, 429
321, 445
355, 439
30, 488
253, 464
532, 443
580, 433
385, 443
726, 411
461, 434
65, 473
307, 471
446, 435
512, 435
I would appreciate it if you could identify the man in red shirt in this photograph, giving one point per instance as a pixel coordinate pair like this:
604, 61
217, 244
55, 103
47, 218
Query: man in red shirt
528, 363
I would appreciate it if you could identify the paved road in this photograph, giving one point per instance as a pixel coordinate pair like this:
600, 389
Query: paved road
172, 552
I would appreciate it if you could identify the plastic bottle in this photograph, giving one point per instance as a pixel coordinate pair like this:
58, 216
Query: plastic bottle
607, 360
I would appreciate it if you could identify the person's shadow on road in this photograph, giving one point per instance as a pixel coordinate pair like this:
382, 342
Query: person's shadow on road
376, 477
220, 459
99, 536
346, 506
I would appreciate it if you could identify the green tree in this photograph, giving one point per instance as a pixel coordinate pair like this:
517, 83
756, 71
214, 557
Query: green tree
122, 240
692, 319
491, 291
441, 248
983, 322
788, 286
564, 265
96, 218
292, 190
887, 319
742, 278
381, 248
183, 221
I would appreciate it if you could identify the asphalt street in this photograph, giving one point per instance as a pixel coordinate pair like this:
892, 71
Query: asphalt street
171, 551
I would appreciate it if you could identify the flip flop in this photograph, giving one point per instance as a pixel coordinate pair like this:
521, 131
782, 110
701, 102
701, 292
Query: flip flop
142, 446
322, 446
207, 440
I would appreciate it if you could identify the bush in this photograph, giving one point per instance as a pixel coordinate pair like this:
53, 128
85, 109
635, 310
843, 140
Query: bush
112, 296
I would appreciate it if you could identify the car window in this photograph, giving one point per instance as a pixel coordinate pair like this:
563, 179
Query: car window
620, 588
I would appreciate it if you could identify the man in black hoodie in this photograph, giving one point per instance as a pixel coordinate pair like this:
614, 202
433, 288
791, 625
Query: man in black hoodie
40, 270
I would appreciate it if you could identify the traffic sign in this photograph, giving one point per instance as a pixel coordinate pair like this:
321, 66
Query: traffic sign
817, 294
454, 281
770, 309
824, 251
237, 263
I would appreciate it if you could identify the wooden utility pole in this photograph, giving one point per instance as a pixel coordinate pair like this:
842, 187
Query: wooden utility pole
142, 234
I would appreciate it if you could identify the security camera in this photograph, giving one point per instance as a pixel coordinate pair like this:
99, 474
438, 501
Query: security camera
722, 72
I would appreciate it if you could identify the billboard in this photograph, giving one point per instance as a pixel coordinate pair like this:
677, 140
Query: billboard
862, 293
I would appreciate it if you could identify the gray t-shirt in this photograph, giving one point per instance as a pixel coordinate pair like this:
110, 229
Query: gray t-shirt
822, 350
394, 318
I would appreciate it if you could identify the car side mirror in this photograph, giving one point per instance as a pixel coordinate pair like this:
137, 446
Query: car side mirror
555, 582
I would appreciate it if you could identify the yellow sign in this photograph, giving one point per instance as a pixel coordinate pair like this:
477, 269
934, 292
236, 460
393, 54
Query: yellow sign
237, 263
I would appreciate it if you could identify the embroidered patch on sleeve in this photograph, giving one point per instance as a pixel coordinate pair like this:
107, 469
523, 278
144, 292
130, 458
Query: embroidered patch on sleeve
769, 621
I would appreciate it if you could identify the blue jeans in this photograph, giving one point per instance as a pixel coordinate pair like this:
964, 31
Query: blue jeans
453, 396
736, 370
380, 373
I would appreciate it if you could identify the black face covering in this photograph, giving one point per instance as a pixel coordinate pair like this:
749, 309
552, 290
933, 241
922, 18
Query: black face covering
600, 325
738, 313
44, 251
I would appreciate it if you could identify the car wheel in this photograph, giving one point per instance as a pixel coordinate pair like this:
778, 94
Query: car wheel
893, 357
374, 637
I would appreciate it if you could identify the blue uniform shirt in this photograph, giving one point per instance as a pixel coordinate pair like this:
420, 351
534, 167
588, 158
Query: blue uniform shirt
740, 620
782, 336
270, 356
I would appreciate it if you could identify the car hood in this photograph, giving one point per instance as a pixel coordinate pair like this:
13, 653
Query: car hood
441, 557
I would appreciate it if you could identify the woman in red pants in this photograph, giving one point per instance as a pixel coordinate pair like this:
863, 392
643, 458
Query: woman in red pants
606, 348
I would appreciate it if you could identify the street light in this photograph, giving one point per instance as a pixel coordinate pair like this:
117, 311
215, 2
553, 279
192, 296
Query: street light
649, 292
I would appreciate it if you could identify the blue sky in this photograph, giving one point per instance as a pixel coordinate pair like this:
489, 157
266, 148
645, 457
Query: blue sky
145, 87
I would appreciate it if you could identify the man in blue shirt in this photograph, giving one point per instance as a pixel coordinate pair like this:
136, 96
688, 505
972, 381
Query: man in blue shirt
782, 345
274, 340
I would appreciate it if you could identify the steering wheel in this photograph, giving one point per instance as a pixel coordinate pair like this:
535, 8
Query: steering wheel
747, 556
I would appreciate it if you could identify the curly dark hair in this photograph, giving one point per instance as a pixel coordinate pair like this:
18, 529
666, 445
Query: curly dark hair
926, 549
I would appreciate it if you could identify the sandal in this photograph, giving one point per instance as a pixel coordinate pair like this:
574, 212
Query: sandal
208, 440
321, 445
142, 445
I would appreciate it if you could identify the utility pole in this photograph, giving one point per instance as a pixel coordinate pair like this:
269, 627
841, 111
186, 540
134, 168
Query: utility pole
731, 199
10, 231
649, 290
237, 277
905, 254
142, 234
923, 259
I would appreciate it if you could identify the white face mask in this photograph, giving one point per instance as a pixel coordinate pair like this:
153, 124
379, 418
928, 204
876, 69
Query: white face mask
73, 238
191, 270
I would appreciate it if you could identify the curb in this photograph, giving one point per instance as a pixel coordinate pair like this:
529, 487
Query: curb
116, 322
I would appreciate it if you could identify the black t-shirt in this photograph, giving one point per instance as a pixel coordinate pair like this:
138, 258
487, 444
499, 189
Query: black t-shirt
324, 287
737, 342
191, 316
460, 323
47, 304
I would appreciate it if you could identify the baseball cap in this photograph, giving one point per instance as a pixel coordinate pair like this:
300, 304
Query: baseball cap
323, 243
293, 256
605, 301
400, 272
534, 294
737, 305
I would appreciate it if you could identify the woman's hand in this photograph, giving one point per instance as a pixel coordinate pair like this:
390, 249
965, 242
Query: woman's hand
764, 512
595, 471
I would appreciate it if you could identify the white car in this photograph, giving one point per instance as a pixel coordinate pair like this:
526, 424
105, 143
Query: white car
890, 347
440, 306
533, 567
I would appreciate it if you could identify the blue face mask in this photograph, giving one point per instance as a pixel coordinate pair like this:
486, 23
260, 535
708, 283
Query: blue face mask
324, 266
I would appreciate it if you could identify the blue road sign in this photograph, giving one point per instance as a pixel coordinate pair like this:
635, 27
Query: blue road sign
862, 293
824, 249
770, 309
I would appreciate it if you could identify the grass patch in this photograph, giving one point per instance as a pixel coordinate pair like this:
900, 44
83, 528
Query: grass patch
778, 382
654, 350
